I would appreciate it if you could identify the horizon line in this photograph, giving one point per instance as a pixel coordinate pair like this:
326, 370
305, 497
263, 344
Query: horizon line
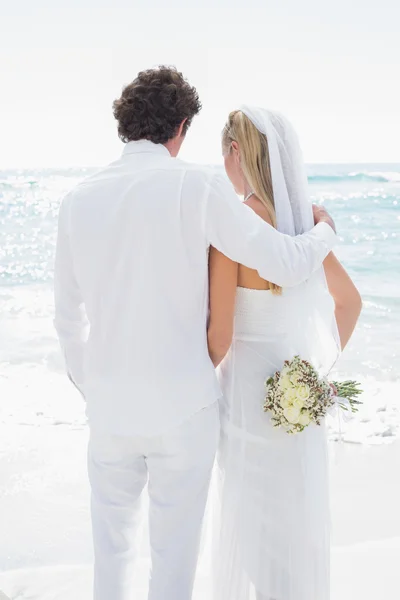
307, 163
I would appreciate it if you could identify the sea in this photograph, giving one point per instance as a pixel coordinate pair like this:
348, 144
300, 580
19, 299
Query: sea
364, 200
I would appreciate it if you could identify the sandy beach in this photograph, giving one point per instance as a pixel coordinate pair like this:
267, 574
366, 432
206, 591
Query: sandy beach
45, 547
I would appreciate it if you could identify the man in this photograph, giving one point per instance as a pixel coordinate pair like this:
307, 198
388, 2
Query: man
131, 294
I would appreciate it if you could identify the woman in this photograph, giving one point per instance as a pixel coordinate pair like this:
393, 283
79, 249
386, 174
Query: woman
273, 535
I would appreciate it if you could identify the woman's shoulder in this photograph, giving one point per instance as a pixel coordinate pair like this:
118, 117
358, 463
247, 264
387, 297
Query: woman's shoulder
259, 208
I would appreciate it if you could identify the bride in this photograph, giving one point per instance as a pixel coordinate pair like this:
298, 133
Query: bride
273, 531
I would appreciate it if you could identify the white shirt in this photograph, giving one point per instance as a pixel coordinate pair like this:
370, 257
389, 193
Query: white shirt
131, 283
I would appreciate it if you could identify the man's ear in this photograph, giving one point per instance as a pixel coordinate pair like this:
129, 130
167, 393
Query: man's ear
181, 126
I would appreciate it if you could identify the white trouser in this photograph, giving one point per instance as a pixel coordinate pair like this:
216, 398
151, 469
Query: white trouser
178, 467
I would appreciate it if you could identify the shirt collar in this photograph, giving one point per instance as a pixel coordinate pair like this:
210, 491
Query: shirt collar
140, 146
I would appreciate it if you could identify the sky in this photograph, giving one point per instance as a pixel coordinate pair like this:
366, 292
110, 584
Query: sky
331, 67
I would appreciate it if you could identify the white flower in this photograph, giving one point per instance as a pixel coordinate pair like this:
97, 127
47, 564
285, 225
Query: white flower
284, 382
298, 403
291, 395
285, 402
292, 414
305, 418
303, 392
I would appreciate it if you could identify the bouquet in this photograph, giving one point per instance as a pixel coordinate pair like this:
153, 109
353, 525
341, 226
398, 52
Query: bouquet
297, 396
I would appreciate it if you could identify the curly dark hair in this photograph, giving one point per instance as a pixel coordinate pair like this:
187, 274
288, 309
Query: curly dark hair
154, 105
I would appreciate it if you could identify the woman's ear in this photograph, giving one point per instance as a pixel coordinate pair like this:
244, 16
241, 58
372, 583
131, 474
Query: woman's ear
235, 151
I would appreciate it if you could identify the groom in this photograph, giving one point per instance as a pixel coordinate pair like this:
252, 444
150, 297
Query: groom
131, 299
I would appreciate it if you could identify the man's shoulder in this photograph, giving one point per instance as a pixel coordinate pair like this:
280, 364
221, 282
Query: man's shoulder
207, 173
92, 180
195, 175
208, 170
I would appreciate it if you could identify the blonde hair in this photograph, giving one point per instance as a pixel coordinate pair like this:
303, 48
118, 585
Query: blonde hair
254, 158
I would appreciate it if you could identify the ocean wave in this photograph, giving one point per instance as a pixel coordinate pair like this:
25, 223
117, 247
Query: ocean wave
17, 183
378, 177
53, 183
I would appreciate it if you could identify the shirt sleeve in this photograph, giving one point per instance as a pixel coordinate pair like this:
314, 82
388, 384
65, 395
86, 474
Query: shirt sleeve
70, 320
236, 231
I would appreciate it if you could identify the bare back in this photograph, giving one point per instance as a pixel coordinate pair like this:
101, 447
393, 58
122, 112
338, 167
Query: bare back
249, 278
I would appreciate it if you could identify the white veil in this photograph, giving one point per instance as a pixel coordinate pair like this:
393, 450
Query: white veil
294, 216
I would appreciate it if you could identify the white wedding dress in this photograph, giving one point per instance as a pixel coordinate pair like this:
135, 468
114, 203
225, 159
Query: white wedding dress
272, 522
273, 527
